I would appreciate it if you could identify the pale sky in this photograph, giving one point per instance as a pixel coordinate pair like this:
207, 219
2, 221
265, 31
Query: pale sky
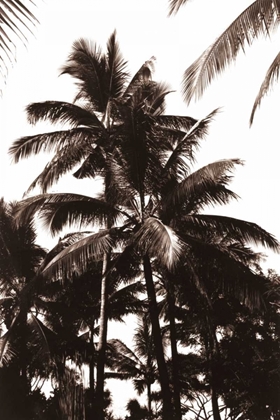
144, 30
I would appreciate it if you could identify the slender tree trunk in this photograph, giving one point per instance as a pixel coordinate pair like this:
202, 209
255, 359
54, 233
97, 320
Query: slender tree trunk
91, 372
154, 316
103, 327
149, 397
174, 351
212, 351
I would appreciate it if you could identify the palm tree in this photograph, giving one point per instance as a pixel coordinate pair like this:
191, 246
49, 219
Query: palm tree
260, 18
17, 21
102, 82
174, 220
138, 364
148, 187
20, 257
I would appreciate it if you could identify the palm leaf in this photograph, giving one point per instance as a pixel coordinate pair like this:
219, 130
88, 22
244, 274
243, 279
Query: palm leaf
260, 18
78, 255
271, 77
177, 162
240, 230
64, 113
16, 22
93, 165
64, 160
87, 65
142, 76
58, 210
158, 240
117, 75
175, 5
48, 142
204, 186
6, 351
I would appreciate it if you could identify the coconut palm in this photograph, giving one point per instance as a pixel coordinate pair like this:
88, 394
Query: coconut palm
97, 209
150, 195
260, 18
97, 125
101, 80
174, 220
138, 364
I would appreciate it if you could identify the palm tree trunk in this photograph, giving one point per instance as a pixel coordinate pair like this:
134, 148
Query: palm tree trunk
174, 351
154, 317
91, 370
149, 397
101, 355
212, 351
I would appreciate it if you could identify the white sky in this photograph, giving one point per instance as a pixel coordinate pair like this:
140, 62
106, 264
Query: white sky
144, 30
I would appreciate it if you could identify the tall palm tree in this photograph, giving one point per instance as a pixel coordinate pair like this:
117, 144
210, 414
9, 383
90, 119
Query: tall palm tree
95, 210
173, 219
103, 87
17, 21
260, 18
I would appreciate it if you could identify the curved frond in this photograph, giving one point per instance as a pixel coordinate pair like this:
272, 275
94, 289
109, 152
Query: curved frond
158, 240
87, 64
58, 210
17, 21
183, 150
63, 161
77, 256
62, 112
260, 18
241, 230
49, 142
271, 77
204, 186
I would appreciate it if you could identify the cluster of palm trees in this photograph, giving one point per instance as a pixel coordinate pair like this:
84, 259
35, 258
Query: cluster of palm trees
144, 232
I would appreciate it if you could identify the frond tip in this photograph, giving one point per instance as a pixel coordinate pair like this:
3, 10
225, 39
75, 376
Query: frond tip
260, 18
271, 77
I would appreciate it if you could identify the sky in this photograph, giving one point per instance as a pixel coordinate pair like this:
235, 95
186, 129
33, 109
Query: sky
144, 30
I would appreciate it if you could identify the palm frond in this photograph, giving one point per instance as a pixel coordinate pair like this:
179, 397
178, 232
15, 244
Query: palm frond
271, 77
93, 165
177, 163
49, 142
241, 230
6, 351
175, 5
204, 186
64, 160
87, 64
17, 21
142, 76
158, 240
260, 18
40, 337
63, 243
58, 210
139, 385
117, 74
177, 122
77, 256
64, 113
